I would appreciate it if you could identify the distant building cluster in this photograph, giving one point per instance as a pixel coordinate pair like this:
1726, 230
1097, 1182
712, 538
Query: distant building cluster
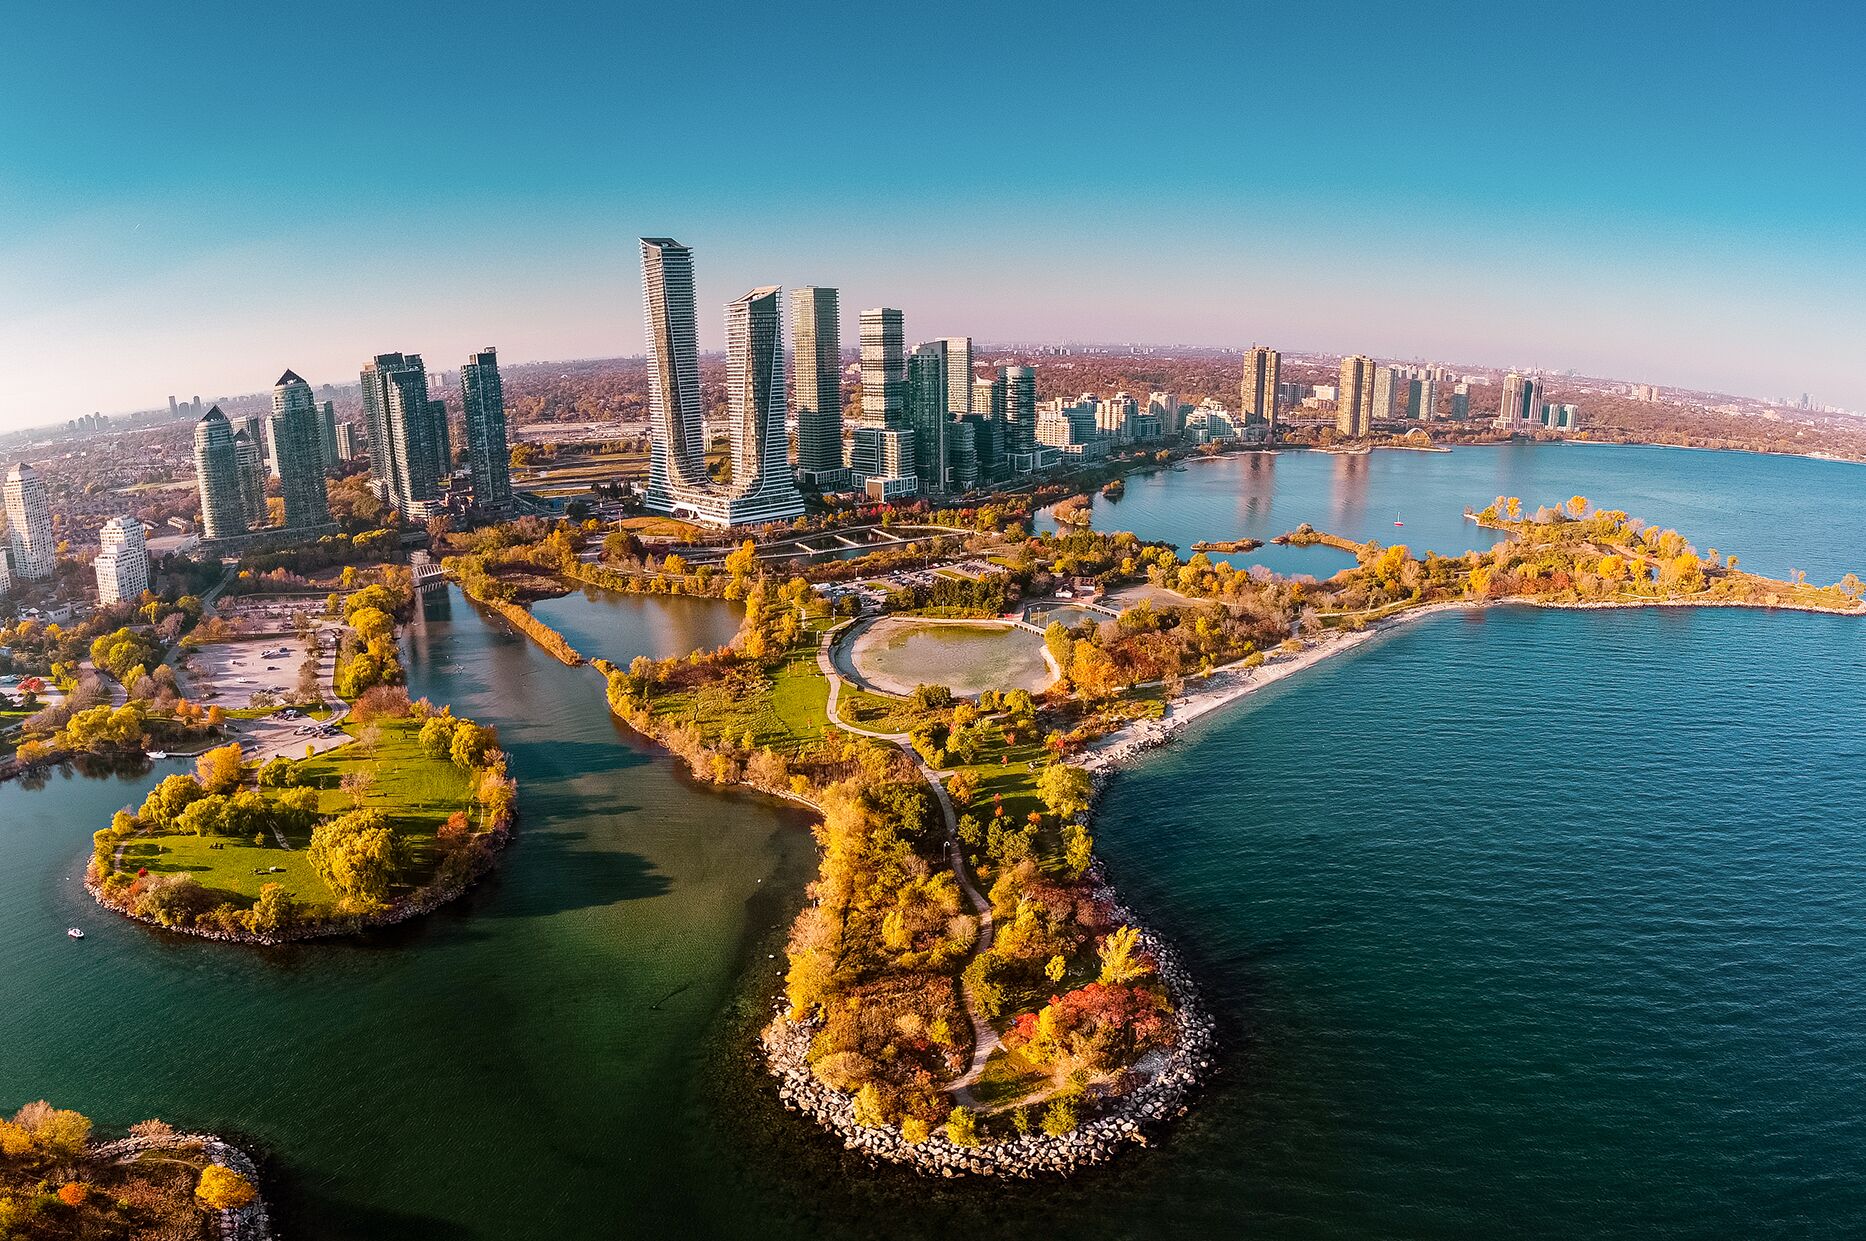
300, 442
928, 424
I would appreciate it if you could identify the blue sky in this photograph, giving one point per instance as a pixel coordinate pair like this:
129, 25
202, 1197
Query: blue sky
194, 197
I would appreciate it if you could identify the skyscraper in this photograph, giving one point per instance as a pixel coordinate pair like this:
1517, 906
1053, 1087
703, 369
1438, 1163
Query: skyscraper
1386, 394
489, 453
677, 448
1521, 405
928, 394
1263, 373
762, 488
122, 564
217, 475
1354, 409
882, 454
404, 444
299, 449
252, 474
29, 524
1020, 415
884, 369
6, 570
443, 436
959, 375
1461, 403
327, 434
988, 416
816, 347
346, 441
1422, 398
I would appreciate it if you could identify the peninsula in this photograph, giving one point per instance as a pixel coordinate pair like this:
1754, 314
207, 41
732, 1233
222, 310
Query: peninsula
965, 992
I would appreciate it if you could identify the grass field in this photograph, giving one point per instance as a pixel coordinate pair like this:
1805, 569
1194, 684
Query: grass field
787, 716
416, 792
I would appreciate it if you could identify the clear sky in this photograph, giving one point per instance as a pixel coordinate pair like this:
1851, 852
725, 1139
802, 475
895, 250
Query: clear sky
194, 197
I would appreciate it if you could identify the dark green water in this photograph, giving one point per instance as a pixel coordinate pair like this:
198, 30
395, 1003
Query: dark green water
1534, 923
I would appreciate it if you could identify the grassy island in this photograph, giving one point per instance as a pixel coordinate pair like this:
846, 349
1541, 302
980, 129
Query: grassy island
390, 824
57, 1182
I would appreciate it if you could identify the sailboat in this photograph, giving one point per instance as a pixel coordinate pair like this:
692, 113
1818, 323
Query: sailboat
1397, 521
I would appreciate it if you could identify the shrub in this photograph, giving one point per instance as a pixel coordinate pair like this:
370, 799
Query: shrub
1061, 1118
962, 1128
223, 1189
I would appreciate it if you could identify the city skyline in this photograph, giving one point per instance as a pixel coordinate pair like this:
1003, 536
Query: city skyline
1650, 251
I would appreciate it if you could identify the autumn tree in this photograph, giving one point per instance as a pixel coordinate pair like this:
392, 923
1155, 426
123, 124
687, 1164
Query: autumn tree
219, 770
1120, 957
1065, 790
223, 1189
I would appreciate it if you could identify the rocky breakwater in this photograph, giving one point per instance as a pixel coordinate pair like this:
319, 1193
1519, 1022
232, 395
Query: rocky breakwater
251, 1222
1167, 1078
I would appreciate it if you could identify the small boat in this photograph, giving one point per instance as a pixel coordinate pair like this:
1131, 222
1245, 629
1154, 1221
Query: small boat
158, 753
1397, 521
74, 932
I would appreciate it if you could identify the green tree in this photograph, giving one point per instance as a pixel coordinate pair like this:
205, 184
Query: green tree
274, 912
1065, 790
358, 855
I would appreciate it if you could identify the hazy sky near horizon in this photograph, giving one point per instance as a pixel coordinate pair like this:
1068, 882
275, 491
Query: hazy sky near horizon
193, 198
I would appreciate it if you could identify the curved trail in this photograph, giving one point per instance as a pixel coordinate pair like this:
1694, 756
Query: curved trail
984, 1035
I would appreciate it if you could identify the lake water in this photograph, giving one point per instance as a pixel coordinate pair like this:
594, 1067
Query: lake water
1544, 924
618, 626
1776, 513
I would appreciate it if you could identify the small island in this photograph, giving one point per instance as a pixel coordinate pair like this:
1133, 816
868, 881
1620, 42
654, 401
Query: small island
56, 1180
395, 808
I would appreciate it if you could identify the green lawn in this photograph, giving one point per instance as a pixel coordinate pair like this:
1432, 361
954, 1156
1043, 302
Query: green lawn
416, 792
788, 715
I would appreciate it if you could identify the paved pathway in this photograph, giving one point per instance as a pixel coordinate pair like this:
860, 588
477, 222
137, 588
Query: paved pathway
984, 1036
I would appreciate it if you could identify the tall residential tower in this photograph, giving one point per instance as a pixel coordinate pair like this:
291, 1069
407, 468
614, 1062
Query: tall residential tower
1257, 394
678, 485
405, 442
489, 454
299, 447
29, 524
816, 347
217, 475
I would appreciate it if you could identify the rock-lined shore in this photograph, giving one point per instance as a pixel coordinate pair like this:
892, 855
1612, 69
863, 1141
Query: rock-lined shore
1172, 1074
252, 1222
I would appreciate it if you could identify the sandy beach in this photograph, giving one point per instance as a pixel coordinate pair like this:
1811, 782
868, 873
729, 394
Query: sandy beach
1234, 681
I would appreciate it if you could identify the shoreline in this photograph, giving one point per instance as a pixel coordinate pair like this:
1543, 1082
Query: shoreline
416, 905
252, 1222
1114, 749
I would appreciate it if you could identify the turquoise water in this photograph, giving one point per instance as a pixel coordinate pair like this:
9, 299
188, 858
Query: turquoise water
1776, 513
1544, 924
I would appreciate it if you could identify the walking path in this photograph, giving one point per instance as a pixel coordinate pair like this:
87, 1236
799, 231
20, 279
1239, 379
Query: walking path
984, 1036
